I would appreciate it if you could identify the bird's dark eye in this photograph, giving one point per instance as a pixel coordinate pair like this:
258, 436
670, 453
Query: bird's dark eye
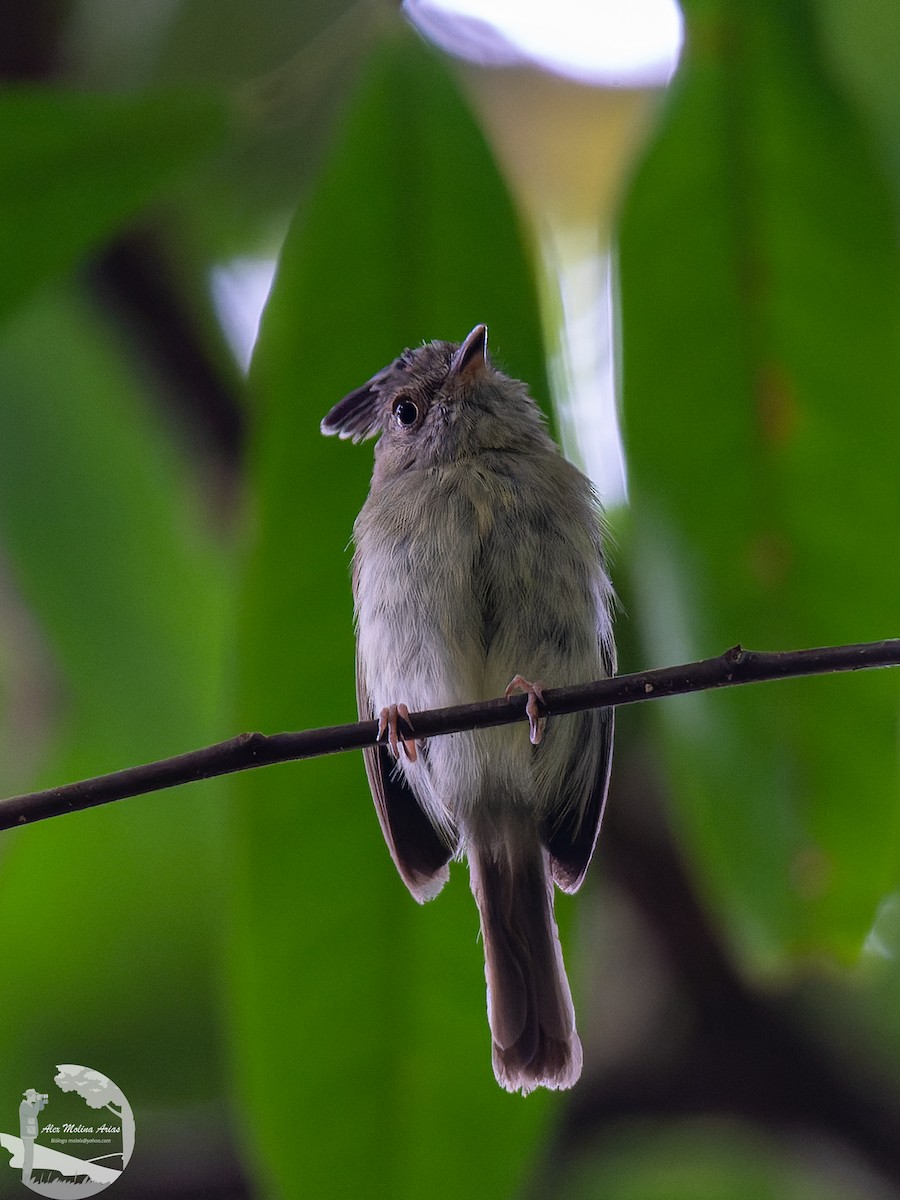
406, 413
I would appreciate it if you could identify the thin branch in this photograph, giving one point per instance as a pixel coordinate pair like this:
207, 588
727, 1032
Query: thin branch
247, 750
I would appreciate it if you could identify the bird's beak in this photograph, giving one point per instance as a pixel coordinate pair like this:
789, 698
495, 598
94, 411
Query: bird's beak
471, 357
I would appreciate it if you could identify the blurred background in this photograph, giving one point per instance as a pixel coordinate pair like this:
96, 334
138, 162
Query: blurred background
240, 955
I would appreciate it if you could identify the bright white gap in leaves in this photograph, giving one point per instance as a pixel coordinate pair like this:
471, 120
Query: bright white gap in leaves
240, 289
610, 43
567, 91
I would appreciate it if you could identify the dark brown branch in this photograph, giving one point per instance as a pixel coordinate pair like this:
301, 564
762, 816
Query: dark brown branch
248, 750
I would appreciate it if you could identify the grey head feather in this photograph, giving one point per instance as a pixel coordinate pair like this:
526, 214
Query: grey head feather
441, 402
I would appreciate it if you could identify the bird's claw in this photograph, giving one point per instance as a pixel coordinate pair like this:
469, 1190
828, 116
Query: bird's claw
389, 730
535, 693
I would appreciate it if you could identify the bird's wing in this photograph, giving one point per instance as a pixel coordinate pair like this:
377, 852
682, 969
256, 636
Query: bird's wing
571, 838
419, 852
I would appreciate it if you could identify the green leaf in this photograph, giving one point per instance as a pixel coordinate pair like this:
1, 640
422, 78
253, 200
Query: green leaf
862, 42
111, 916
760, 297
75, 167
377, 1006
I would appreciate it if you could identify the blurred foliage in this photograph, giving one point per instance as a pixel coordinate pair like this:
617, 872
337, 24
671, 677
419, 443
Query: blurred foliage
704, 1160
76, 167
776, 310
240, 956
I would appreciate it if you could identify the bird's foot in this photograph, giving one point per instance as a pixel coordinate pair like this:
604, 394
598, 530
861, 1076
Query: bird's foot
389, 730
535, 693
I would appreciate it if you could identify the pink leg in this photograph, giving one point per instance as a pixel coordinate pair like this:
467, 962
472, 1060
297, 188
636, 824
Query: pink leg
389, 723
535, 692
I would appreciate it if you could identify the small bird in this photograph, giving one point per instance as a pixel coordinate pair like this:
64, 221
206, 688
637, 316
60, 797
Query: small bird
479, 556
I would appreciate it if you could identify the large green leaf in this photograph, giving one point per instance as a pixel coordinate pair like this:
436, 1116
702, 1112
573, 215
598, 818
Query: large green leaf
364, 1013
862, 41
75, 167
760, 296
111, 916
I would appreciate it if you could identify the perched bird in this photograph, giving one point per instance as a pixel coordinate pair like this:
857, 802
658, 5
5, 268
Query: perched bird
479, 556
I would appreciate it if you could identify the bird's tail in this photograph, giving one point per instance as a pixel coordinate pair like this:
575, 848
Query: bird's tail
528, 998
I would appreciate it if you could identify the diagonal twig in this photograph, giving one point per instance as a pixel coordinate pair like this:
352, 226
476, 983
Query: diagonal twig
247, 750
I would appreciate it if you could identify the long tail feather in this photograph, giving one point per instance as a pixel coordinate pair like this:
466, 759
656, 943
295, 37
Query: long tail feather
529, 1002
